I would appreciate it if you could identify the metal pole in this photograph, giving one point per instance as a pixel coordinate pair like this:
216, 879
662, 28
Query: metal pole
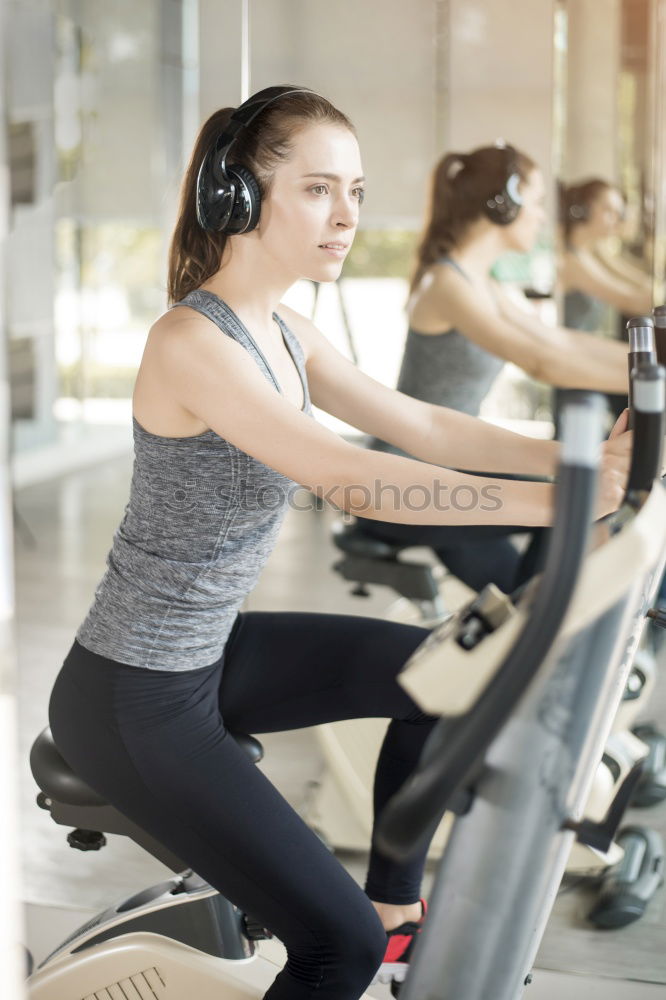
245, 50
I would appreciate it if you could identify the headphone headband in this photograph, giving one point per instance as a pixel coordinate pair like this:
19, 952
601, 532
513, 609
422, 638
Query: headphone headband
245, 114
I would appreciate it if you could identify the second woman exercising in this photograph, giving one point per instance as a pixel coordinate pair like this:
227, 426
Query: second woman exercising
463, 327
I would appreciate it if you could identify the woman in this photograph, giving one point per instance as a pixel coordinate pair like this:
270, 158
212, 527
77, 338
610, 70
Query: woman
463, 327
590, 213
164, 666
593, 281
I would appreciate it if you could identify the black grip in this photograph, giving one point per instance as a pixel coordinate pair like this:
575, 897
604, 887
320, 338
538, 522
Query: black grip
636, 359
648, 424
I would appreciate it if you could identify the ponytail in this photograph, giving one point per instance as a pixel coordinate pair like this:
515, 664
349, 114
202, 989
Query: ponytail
194, 253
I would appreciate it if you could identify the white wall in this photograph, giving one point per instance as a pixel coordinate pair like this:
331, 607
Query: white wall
500, 76
374, 59
30, 249
593, 65
11, 924
416, 78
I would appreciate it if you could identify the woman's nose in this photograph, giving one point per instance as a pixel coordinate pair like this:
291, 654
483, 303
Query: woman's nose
346, 214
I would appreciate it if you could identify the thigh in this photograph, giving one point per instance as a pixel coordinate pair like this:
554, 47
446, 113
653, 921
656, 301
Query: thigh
477, 554
165, 759
478, 564
533, 559
287, 670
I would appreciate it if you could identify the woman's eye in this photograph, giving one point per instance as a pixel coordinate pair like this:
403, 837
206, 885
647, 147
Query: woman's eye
319, 189
360, 194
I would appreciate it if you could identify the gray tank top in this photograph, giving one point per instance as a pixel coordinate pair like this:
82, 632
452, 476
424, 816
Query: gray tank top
202, 519
447, 369
584, 312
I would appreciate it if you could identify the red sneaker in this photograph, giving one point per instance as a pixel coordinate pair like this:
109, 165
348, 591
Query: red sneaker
401, 941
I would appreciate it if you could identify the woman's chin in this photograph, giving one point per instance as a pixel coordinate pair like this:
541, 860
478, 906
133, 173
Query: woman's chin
328, 271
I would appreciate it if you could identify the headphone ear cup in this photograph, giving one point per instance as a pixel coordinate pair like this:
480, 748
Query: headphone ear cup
247, 202
578, 212
503, 208
499, 211
214, 197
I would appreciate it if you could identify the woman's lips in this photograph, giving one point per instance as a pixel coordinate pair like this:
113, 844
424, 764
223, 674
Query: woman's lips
335, 249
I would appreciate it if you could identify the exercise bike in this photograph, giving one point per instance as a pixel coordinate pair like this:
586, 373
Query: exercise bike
516, 749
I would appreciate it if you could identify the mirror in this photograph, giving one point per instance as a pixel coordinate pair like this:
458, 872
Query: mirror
608, 151
609, 109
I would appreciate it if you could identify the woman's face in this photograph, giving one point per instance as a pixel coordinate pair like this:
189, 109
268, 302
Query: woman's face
522, 234
605, 213
310, 215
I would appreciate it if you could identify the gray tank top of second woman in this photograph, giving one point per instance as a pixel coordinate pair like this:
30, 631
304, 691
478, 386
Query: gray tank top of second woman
447, 369
584, 312
202, 519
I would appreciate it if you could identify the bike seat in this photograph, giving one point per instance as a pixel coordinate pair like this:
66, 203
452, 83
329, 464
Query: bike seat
351, 539
57, 780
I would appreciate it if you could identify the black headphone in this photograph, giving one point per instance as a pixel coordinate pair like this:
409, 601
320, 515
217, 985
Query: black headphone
577, 212
503, 207
228, 197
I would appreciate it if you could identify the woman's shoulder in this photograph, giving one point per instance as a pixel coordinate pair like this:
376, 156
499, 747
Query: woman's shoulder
154, 407
176, 321
428, 307
572, 261
300, 326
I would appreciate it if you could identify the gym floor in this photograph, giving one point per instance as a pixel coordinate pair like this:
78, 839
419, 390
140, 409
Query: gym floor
64, 529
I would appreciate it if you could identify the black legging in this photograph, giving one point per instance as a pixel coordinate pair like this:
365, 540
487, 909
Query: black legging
477, 554
155, 744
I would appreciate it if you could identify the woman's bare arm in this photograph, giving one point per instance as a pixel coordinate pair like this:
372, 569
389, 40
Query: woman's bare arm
583, 272
434, 434
555, 355
625, 269
215, 379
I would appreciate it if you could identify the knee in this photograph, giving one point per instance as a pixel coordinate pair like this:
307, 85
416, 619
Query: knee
347, 947
360, 950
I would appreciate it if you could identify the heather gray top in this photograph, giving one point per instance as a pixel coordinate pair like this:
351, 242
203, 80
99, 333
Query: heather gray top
447, 369
583, 311
202, 519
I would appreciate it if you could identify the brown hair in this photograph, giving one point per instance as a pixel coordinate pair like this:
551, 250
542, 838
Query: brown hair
461, 183
194, 254
575, 201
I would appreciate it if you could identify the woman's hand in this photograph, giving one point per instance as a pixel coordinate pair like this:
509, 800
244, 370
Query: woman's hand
614, 467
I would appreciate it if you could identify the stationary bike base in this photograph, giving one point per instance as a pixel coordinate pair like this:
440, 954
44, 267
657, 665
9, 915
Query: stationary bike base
144, 964
183, 908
